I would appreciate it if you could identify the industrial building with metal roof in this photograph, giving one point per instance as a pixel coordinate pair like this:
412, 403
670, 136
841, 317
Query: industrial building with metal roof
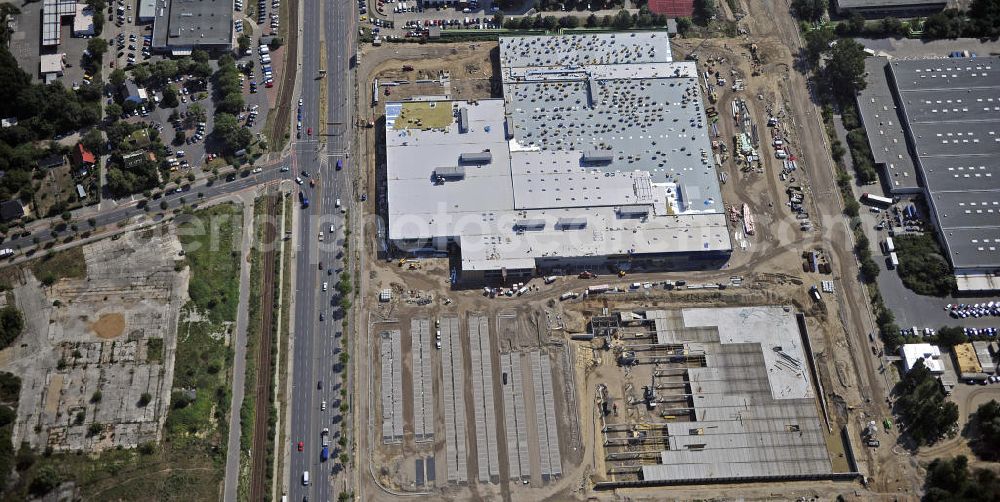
53, 12
180, 26
950, 116
883, 121
597, 152
874, 8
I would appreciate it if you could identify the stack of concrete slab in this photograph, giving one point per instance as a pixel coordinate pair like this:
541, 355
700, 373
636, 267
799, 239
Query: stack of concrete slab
482, 393
391, 351
545, 415
515, 423
454, 401
423, 381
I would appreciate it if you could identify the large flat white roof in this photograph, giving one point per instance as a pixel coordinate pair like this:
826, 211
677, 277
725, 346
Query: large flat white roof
912, 352
604, 149
50, 63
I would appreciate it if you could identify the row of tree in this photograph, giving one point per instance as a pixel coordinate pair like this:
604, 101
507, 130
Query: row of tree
158, 74
622, 20
571, 5
228, 95
981, 20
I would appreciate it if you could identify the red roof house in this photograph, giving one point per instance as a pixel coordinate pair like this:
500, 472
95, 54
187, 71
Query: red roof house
672, 8
82, 156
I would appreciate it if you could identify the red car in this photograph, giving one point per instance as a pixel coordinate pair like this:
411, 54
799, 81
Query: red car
301, 446
309, 131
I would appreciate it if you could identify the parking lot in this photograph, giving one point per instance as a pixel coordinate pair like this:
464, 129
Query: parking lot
25, 45
910, 309
408, 18
125, 36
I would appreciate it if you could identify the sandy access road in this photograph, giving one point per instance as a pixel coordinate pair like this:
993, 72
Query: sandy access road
771, 20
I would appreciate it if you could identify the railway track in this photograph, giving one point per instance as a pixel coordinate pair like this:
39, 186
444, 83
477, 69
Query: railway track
263, 384
283, 105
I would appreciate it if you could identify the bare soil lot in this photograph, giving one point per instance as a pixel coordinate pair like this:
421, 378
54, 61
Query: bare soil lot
85, 360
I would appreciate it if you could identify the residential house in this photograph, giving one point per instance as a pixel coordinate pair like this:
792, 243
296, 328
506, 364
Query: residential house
52, 161
132, 92
83, 159
11, 210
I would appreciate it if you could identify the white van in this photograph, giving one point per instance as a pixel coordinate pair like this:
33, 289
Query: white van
305, 478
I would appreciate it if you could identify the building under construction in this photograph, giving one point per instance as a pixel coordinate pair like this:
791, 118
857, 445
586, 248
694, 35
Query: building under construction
712, 395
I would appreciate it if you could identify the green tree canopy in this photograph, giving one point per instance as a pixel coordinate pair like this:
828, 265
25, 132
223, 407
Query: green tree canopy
986, 421
951, 481
810, 10
232, 135
169, 97
845, 70
926, 413
97, 47
11, 325
117, 77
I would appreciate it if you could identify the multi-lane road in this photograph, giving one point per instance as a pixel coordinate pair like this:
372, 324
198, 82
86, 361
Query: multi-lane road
315, 378
197, 194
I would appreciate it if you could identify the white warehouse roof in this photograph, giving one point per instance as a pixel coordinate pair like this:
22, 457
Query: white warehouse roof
592, 128
931, 355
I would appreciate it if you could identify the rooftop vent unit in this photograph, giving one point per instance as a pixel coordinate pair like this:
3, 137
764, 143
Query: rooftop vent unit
475, 158
571, 223
530, 224
451, 173
598, 157
633, 211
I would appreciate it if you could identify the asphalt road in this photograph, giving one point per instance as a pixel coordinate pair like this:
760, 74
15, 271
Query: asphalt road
154, 212
316, 352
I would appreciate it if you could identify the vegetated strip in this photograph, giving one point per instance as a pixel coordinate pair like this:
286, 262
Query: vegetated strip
248, 407
259, 457
323, 92
281, 344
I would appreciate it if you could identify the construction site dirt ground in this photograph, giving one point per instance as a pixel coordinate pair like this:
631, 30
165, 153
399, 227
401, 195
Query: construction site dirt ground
770, 263
96, 358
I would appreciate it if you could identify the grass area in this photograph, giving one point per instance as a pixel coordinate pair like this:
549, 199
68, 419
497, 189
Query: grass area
51, 267
424, 116
278, 405
154, 350
247, 407
188, 464
323, 89
10, 390
211, 243
200, 399
922, 265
